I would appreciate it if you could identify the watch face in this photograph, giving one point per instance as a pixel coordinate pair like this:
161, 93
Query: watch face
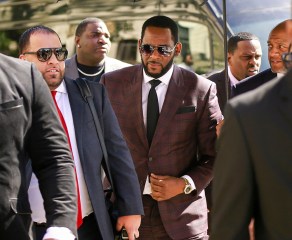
188, 189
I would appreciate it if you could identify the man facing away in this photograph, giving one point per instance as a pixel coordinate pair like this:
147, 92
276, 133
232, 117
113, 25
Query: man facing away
42, 46
92, 39
278, 43
173, 160
253, 178
30, 129
244, 60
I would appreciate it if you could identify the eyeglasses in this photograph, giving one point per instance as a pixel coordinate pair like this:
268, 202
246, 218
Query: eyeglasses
287, 58
44, 54
148, 49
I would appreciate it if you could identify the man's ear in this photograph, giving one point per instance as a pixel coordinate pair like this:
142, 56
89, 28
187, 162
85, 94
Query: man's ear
139, 44
22, 57
178, 49
77, 40
229, 55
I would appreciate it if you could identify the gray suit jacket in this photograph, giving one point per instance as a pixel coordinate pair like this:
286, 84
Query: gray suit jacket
111, 64
253, 169
121, 164
183, 142
30, 128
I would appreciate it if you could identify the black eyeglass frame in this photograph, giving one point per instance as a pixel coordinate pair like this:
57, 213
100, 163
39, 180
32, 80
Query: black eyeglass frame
161, 49
287, 58
60, 53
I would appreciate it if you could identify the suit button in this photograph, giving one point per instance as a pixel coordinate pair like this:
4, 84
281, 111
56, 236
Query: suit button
150, 159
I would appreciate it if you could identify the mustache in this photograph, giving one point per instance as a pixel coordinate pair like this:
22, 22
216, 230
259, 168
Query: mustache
253, 66
154, 62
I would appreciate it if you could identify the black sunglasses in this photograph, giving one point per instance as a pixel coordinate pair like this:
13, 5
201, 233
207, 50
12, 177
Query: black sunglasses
44, 54
148, 49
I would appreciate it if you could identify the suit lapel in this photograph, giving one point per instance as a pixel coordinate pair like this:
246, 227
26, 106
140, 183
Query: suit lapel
108, 65
134, 95
71, 68
77, 105
173, 99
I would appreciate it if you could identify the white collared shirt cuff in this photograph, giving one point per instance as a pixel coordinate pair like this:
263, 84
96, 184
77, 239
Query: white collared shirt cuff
147, 187
59, 233
190, 180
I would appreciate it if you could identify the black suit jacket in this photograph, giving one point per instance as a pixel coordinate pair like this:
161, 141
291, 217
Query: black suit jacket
122, 168
253, 82
30, 128
253, 169
219, 79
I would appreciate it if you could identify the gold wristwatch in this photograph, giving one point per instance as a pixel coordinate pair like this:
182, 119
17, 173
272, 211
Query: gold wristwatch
188, 186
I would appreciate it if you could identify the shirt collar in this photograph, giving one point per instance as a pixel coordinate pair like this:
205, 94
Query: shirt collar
233, 80
280, 75
164, 79
61, 88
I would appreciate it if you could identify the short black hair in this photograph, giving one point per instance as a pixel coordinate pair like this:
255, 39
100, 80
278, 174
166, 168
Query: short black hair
161, 22
25, 36
241, 36
83, 24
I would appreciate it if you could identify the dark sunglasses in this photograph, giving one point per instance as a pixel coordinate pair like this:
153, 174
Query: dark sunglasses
148, 49
44, 54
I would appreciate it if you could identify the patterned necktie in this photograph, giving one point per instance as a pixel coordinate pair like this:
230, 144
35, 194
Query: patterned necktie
152, 110
79, 213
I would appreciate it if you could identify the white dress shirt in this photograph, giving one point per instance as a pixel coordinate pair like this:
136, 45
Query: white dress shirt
233, 80
161, 90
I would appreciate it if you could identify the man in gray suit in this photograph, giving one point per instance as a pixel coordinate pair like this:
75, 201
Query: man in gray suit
253, 178
42, 46
30, 129
93, 43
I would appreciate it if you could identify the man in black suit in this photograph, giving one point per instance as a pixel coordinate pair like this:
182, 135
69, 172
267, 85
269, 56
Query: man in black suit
253, 178
42, 46
244, 60
30, 129
278, 43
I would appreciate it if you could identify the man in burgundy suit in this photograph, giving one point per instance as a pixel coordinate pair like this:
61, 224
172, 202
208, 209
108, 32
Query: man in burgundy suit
174, 166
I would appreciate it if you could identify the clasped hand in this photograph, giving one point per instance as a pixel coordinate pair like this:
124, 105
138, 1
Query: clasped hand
165, 187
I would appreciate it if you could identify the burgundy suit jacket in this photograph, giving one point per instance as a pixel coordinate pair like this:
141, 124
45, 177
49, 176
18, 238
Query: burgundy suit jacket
184, 141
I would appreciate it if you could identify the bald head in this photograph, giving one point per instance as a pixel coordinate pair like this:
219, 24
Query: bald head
278, 43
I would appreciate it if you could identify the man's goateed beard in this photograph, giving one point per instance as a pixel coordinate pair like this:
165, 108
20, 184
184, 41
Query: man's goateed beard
163, 71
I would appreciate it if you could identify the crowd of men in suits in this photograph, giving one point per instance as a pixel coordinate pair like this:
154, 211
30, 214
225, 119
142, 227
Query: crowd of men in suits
160, 125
